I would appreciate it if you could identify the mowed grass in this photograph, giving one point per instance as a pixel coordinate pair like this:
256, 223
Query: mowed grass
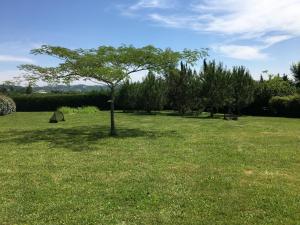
161, 169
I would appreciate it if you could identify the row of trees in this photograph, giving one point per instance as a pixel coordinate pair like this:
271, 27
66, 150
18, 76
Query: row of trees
183, 89
148, 95
214, 88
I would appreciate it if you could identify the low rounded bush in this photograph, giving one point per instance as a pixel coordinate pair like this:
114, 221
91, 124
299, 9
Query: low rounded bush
7, 105
73, 110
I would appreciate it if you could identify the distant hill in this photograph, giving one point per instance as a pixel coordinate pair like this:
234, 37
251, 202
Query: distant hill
71, 88
80, 88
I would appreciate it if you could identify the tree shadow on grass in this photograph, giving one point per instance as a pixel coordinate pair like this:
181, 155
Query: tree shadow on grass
216, 116
77, 138
191, 115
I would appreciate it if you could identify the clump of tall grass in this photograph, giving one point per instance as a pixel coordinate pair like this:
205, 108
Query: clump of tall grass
74, 110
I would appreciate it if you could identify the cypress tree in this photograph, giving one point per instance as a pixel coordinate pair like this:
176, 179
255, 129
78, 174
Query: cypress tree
152, 93
242, 86
181, 89
214, 86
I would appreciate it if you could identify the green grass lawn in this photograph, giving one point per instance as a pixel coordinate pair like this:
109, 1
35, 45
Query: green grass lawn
161, 169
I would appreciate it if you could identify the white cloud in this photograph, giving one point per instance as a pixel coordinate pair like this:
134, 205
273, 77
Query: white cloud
18, 47
271, 40
168, 21
267, 22
251, 17
11, 58
17, 51
158, 4
241, 52
9, 74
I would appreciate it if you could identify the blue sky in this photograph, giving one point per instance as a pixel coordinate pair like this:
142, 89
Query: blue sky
260, 34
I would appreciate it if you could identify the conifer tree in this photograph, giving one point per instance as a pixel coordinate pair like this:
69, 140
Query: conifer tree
242, 87
181, 92
152, 93
214, 92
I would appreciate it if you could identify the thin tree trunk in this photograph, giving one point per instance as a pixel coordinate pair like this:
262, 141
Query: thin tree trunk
112, 112
237, 110
212, 113
229, 112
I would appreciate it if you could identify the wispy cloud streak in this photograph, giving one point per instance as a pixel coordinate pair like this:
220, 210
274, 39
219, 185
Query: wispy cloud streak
265, 22
11, 58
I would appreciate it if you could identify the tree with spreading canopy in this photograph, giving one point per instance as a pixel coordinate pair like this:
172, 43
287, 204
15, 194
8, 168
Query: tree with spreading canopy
107, 64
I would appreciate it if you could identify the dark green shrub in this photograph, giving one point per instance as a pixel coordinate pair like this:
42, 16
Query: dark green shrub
265, 90
285, 106
7, 105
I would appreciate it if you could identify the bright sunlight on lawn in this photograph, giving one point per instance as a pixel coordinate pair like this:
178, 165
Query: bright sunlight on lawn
160, 169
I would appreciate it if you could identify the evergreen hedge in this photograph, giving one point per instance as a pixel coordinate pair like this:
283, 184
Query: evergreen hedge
285, 106
50, 102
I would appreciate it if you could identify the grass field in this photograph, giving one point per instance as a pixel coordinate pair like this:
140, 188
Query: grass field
161, 169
